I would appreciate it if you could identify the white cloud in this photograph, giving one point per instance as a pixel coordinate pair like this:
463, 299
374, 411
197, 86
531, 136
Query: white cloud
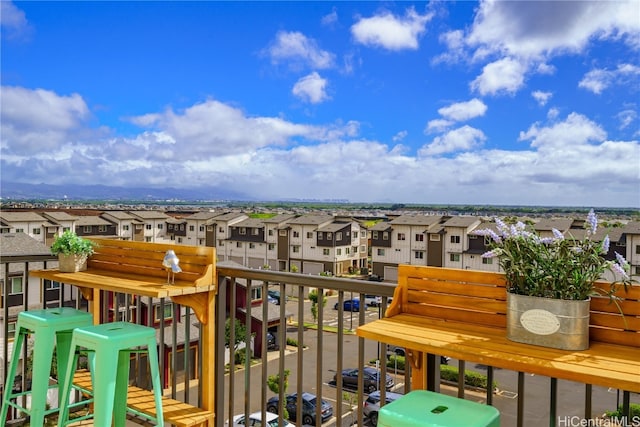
536, 29
462, 111
399, 136
13, 22
438, 125
465, 138
541, 97
502, 76
37, 120
330, 19
575, 130
391, 32
311, 88
600, 79
297, 49
627, 118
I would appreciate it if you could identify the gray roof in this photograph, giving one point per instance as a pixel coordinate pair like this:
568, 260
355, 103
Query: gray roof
229, 216
91, 220
149, 214
21, 217
250, 223
461, 221
202, 216
381, 226
632, 227
21, 244
311, 219
121, 215
547, 224
60, 216
278, 219
426, 220
273, 312
336, 226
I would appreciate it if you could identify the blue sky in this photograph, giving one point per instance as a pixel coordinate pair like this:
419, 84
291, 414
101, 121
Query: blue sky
492, 102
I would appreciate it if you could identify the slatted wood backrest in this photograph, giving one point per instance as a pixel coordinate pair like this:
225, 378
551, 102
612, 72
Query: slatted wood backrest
466, 296
145, 259
479, 297
607, 324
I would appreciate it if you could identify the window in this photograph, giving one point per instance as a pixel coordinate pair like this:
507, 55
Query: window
434, 237
363, 233
296, 234
320, 235
19, 230
455, 239
374, 235
147, 239
220, 230
160, 226
181, 227
354, 249
295, 249
243, 230
329, 236
363, 249
638, 249
487, 261
347, 251
419, 237
238, 244
255, 231
36, 231
11, 331
252, 245
339, 235
193, 228
148, 227
102, 228
454, 257
270, 232
201, 228
282, 233
125, 227
401, 236
51, 285
326, 251
380, 252
338, 251
419, 255
385, 235
167, 313
272, 246
256, 293
87, 229
309, 234
15, 285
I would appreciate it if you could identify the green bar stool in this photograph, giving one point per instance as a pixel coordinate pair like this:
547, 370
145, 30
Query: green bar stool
50, 327
110, 345
422, 408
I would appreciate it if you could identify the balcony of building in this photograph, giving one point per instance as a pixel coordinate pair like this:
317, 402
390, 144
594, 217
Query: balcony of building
308, 347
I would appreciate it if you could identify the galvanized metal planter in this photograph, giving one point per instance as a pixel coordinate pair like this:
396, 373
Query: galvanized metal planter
72, 263
548, 322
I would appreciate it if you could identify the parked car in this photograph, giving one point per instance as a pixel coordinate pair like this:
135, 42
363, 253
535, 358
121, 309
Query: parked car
276, 296
272, 300
375, 278
372, 404
271, 341
255, 419
371, 377
372, 300
400, 351
310, 402
349, 305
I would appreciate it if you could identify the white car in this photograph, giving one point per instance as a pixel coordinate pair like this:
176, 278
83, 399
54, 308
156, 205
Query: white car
255, 420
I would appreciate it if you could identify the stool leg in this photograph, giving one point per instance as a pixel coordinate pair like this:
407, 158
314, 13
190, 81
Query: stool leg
63, 345
65, 391
104, 387
155, 379
122, 384
8, 387
42, 357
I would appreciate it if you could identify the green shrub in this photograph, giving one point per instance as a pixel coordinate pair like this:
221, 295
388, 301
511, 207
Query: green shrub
635, 412
292, 342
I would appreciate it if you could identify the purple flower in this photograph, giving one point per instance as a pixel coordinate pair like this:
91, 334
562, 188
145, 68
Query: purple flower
605, 245
546, 240
592, 221
488, 232
492, 254
617, 268
502, 228
621, 260
557, 234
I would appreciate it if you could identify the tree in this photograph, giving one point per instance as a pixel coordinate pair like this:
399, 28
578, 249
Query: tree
240, 331
313, 297
273, 382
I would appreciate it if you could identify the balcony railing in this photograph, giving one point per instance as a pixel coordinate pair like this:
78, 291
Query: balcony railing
312, 348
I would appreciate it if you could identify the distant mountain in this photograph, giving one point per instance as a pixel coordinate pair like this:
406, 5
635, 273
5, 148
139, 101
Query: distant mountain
16, 190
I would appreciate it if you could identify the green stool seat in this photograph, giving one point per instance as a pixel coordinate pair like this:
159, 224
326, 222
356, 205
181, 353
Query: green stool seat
111, 345
50, 327
422, 408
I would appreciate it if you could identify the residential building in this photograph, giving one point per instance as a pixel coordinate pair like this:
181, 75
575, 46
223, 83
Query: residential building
246, 244
59, 222
222, 232
199, 228
305, 256
30, 223
456, 243
154, 225
95, 226
277, 240
128, 227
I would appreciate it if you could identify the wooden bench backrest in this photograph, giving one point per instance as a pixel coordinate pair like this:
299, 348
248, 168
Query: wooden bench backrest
479, 298
145, 259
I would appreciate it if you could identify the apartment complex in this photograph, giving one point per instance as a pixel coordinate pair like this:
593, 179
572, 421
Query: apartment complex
314, 243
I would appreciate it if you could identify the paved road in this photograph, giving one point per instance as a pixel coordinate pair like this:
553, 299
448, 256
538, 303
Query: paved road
537, 389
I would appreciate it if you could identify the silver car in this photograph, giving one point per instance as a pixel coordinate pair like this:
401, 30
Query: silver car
372, 404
